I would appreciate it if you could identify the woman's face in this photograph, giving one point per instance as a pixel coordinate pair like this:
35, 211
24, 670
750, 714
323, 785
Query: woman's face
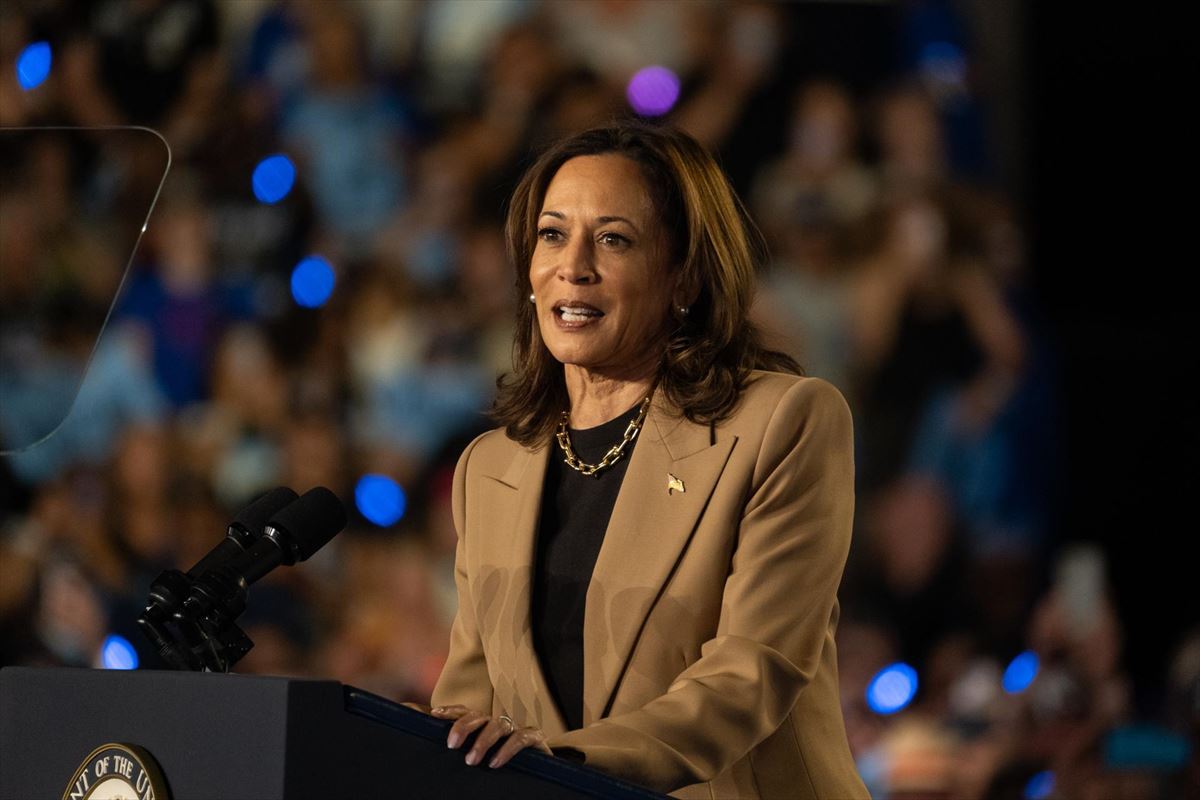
600, 270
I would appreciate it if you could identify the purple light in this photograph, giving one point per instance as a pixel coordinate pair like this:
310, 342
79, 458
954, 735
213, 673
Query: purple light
652, 91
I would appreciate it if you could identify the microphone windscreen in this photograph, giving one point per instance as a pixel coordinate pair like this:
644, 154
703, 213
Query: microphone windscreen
311, 521
254, 517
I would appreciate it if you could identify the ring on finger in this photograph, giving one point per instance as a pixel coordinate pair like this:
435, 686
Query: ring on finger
512, 726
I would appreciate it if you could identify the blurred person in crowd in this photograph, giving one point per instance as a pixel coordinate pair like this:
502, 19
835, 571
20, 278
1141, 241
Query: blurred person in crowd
1183, 705
424, 240
433, 517
454, 41
863, 649
415, 365
534, 93
521, 70
909, 138
197, 513
388, 636
580, 101
638, 265
235, 439
746, 40
920, 759
276, 62
614, 39
962, 399
807, 200
178, 295
71, 620
18, 592
279, 624
347, 131
925, 314
820, 168
385, 331
489, 313
253, 241
909, 576
1002, 465
64, 566
313, 451
117, 389
154, 63
140, 513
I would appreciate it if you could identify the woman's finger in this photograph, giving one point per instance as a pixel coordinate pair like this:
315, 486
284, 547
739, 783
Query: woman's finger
487, 737
525, 737
449, 712
464, 726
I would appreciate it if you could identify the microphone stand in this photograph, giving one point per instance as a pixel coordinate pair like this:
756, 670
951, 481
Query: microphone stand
191, 623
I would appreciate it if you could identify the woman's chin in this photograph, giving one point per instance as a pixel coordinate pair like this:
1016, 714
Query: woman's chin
575, 357
578, 347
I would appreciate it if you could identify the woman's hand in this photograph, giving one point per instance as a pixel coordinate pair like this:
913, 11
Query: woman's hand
467, 721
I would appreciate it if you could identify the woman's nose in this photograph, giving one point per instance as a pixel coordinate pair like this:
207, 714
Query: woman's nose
576, 265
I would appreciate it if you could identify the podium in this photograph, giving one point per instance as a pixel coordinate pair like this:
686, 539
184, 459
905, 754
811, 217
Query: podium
246, 737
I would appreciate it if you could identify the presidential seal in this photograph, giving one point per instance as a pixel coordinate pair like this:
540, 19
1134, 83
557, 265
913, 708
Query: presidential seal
117, 772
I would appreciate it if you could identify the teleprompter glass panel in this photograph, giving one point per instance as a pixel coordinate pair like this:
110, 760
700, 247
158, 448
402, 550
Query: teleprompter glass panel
74, 203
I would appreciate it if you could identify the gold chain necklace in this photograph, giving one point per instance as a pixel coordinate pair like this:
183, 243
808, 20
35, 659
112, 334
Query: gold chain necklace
614, 453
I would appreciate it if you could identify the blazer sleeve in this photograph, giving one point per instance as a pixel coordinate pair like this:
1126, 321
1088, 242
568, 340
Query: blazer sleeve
793, 540
464, 679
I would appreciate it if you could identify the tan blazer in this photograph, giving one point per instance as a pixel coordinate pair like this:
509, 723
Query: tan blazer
709, 661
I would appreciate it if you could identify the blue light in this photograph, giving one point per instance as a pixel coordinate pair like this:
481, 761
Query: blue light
1146, 747
380, 499
118, 653
273, 178
312, 282
944, 61
33, 65
1040, 786
1020, 672
892, 688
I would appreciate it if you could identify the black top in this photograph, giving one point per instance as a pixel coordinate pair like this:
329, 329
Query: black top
575, 512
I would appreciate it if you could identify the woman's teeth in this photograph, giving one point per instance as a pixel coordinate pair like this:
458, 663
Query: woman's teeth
577, 314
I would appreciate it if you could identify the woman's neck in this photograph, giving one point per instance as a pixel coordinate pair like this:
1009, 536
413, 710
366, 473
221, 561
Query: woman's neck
596, 397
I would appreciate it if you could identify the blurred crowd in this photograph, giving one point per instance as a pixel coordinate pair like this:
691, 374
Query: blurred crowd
897, 272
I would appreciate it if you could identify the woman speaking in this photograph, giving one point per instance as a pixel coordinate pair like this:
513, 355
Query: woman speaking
649, 549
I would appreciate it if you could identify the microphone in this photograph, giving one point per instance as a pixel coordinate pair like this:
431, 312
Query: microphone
291, 535
171, 589
246, 528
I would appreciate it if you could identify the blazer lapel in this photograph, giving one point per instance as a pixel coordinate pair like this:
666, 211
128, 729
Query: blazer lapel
648, 530
511, 501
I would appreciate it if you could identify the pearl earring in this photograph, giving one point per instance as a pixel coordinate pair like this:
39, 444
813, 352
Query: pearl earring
531, 298
683, 310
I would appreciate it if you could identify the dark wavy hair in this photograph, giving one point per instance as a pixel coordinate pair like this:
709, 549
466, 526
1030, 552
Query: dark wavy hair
714, 245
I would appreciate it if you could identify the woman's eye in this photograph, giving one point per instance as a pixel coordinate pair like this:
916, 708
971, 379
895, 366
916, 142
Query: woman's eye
549, 234
613, 239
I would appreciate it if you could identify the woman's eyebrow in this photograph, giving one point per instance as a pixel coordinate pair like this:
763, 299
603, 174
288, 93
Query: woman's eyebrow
607, 219
604, 220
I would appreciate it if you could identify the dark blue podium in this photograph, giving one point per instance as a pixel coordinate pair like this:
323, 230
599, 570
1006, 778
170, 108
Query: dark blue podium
245, 738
